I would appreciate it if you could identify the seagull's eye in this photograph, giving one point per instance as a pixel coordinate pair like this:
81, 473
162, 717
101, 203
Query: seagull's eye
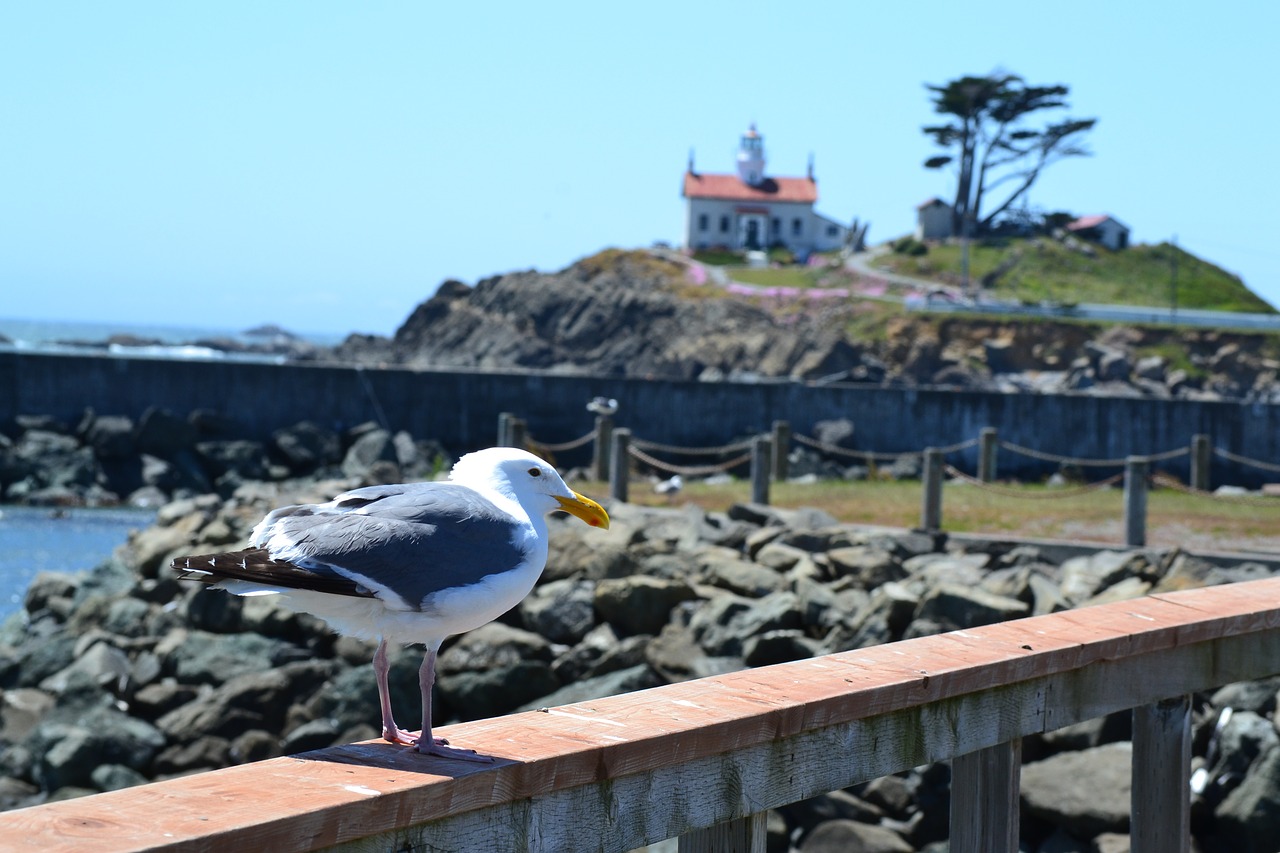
535, 472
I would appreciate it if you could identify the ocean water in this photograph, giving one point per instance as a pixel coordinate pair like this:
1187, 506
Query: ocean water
59, 335
40, 539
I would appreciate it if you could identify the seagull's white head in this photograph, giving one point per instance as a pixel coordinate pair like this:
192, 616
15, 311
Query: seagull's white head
520, 476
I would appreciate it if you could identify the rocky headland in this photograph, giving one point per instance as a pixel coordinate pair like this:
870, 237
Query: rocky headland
640, 314
124, 674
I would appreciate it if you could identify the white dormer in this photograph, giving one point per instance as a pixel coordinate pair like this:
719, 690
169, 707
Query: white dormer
751, 157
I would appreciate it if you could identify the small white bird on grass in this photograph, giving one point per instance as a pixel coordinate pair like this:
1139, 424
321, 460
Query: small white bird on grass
669, 487
411, 563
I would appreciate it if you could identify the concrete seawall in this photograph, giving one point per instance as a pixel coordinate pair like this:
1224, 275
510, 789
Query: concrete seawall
461, 408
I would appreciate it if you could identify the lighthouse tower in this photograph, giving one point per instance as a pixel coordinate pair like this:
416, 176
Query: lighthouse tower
751, 157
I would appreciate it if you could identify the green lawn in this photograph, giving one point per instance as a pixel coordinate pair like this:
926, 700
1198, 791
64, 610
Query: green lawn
1043, 269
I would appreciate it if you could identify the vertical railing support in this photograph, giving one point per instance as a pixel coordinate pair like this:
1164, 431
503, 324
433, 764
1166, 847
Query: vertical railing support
1160, 819
984, 799
620, 467
744, 835
504, 429
931, 504
761, 467
781, 445
1135, 501
987, 454
1200, 462
519, 432
603, 448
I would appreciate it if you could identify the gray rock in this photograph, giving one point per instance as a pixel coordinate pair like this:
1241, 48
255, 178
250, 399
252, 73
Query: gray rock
675, 653
164, 434
489, 693
639, 605
69, 753
724, 568
844, 836
1085, 791
21, 709
111, 437
772, 647
967, 607
247, 460
367, 451
623, 681
869, 566
103, 665
205, 753
113, 777
306, 445
491, 646
1256, 696
1083, 577
837, 805
1248, 820
314, 734
205, 658
563, 611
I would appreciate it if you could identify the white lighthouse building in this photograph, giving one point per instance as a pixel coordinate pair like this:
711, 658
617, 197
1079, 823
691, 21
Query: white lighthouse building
752, 210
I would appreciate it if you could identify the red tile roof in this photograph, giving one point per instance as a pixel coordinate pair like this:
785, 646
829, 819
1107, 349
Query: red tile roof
1093, 222
731, 188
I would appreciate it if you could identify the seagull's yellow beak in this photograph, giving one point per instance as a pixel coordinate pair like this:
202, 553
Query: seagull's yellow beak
586, 509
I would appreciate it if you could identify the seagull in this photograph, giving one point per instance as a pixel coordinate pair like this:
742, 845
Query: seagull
603, 406
669, 487
412, 563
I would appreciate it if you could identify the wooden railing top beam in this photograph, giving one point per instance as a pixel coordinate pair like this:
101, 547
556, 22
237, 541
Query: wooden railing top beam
1031, 674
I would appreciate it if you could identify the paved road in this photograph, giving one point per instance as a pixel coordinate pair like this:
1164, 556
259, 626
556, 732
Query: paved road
955, 302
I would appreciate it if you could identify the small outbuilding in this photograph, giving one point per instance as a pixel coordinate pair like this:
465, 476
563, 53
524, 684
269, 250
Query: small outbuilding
1103, 229
933, 220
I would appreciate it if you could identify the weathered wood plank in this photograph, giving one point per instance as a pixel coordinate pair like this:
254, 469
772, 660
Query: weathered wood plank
985, 799
653, 764
1161, 793
744, 835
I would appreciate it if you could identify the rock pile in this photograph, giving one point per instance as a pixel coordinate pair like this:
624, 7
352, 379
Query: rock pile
125, 675
109, 459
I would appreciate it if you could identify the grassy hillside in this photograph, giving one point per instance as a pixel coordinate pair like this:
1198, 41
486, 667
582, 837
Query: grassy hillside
1039, 269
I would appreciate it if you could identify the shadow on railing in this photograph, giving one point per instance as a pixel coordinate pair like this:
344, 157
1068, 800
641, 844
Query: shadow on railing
703, 760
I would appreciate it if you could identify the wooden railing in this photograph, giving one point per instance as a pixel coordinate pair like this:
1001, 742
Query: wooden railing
703, 760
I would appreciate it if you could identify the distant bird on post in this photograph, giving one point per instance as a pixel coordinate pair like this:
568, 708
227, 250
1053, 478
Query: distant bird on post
603, 406
411, 563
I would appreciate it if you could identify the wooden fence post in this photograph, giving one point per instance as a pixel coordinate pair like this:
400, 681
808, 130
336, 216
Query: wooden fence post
1200, 462
987, 455
1135, 501
603, 448
620, 467
984, 799
1160, 820
781, 444
504, 429
761, 451
519, 432
931, 505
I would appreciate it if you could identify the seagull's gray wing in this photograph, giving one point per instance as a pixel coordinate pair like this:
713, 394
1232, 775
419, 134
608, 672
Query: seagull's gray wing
413, 540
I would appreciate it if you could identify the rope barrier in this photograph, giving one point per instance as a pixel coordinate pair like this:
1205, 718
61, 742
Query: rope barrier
1245, 460
688, 470
1021, 493
1100, 463
690, 451
1169, 482
560, 448
866, 455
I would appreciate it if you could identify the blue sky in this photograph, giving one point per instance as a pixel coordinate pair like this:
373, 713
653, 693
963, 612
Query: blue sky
326, 165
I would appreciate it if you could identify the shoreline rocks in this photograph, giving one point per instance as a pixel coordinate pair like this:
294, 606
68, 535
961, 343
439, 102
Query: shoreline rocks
124, 675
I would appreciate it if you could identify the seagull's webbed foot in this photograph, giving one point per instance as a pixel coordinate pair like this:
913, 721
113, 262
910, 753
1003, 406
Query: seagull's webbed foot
438, 748
400, 736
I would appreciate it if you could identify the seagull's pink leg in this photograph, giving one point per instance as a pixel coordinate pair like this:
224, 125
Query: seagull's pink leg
427, 744
390, 731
